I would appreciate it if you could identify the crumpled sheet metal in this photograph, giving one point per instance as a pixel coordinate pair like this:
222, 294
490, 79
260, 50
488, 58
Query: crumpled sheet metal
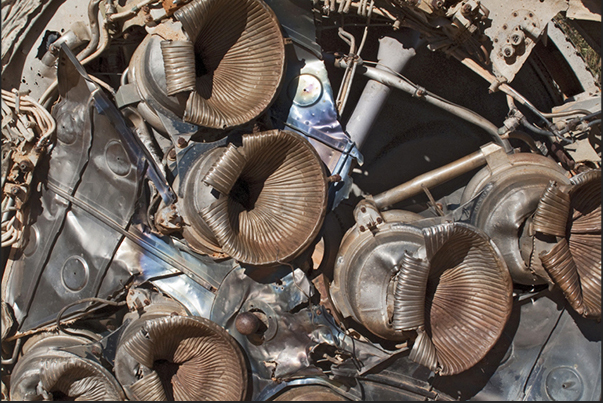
244, 59
574, 262
45, 371
586, 202
91, 181
210, 364
284, 198
295, 332
468, 295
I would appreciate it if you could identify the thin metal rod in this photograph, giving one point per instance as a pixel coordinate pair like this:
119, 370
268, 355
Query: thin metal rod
430, 179
392, 80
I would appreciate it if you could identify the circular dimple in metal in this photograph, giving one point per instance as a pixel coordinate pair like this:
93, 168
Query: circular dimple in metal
117, 159
75, 273
305, 90
564, 384
66, 134
70, 121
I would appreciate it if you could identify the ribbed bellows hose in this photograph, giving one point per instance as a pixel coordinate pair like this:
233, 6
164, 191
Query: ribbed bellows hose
574, 263
180, 358
465, 291
409, 296
179, 64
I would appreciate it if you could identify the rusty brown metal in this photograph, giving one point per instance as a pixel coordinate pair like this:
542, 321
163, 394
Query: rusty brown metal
48, 371
574, 263
239, 56
274, 198
468, 300
78, 379
586, 202
561, 267
181, 358
586, 252
585, 237
552, 212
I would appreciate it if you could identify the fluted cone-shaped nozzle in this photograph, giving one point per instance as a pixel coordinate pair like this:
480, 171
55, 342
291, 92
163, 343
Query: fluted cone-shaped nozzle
273, 198
46, 373
469, 295
180, 358
238, 56
574, 262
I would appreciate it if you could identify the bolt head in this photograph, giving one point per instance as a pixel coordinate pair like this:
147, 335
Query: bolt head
247, 323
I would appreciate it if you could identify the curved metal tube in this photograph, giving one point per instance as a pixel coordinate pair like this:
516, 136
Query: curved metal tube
430, 179
392, 80
395, 54
94, 30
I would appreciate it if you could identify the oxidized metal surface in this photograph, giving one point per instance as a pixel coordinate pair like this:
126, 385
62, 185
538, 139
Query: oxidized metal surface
502, 210
181, 358
552, 212
197, 196
562, 269
278, 204
585, 237
365, 272
423, 351
468, 295
48, 373
447, 281
412, 305
574, 263
243, 60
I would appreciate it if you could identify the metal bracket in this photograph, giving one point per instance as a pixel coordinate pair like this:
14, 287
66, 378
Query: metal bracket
367, 216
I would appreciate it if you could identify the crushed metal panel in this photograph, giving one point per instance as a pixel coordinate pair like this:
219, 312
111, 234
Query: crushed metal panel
90, 175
